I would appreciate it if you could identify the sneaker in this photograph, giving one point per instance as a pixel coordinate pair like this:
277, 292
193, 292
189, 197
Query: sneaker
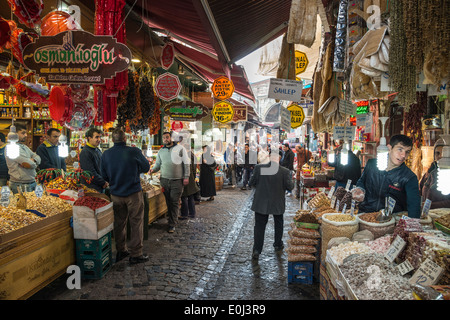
255, 255
121, 255
140, 259
233, 186
243, 188
171, 229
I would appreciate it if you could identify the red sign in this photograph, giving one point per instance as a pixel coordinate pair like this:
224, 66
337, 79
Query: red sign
177, 126
167, 56
167, 86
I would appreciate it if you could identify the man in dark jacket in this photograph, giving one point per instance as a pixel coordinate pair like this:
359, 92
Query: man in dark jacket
250, 159
4, 176
48, 151
397, 181
271, 181
121, 166
90, 159
287, 160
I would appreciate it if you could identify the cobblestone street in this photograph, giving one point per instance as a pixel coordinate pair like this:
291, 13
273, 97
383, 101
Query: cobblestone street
206, 258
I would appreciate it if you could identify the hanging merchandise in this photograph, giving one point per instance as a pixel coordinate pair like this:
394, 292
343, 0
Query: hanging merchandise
302, 22
27, 11
5, 31
6, 80
126, 111
135, 123
340, 48
82, 115
109, 21
57, 21
147, 100
61, 104
155, 122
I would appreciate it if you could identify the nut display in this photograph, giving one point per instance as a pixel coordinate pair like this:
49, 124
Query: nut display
305, 216
338, 217
12, 219
47, 205
146, 186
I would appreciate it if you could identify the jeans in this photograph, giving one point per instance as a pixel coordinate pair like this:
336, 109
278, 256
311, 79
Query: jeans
173, 189
129, 208
247, 175
188, 206
260, 229
26, 187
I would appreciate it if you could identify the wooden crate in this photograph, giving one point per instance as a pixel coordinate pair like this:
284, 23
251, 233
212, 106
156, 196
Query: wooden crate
32, 258
219, 183
157, 207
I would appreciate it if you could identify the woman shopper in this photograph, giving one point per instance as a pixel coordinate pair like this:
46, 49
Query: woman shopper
207, 178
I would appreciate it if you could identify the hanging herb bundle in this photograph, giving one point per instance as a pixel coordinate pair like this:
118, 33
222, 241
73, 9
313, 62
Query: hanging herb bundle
155, 121
126, 111
147, 99
435, 21
413, 32
402, 76
413, 118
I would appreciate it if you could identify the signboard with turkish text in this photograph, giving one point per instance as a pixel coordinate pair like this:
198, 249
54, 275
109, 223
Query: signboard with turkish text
240, 113
186, 110
167, 86
301, 62
297, 115
167, 56
346, 133
285, 89
76, 56
177, 126
222, 88
223, 112
285, 119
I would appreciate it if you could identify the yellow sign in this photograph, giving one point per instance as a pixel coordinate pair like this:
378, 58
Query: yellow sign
301, 62
223, 112
297, 115
222, 88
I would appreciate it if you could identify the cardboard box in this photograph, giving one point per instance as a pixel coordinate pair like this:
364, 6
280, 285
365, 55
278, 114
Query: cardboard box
93, 224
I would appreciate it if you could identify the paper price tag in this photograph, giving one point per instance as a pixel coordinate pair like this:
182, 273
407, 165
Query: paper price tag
427, 274
352, 208
347, 186
5, 193
426, 208
39, 191
344, 208
391, 204
395, 249
405, 267
333, 201
330, 194
337, 205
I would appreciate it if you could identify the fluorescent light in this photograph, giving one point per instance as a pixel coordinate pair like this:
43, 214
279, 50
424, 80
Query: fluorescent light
12, 148
443, 175
135, 60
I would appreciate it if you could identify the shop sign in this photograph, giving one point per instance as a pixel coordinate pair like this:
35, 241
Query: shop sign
76, 56
347, 107
222, 88
186, 110
240, 113
177, 126
297, 115
285, 119
285, 89
223, 112
301, 62
167, 56
167, 86
344, 132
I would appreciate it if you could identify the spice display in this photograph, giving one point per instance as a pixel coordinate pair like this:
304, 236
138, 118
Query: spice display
12, 219
372, 277
337, 225
47, 205
304, 233
68, 184
91, 202
319, 200
340, 217
368, 221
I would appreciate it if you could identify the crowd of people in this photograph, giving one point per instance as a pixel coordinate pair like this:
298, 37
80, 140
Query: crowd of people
117, 173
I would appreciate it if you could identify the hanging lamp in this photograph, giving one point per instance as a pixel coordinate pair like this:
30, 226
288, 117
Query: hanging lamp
382, 149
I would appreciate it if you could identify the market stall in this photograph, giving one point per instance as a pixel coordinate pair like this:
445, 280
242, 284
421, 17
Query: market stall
365, 257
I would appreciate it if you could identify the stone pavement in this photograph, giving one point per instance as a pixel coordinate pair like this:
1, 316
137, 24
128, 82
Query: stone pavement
206, 258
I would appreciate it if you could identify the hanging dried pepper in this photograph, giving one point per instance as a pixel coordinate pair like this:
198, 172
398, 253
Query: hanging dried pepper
126, 111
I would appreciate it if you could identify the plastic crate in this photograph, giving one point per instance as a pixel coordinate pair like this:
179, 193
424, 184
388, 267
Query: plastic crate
93, 249
95, 268
300, 272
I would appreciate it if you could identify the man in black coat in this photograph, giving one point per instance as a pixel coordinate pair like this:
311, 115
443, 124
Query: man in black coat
48, 151
271, 181
90, 159
287, 160
350, 171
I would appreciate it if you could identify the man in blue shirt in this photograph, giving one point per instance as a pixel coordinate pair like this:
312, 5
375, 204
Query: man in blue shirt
121, 167
48, 151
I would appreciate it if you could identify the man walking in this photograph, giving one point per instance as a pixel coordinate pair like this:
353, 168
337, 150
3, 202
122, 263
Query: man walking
250, 159
271, 182
173, 161
22, 170
48, 151
121, 166
287, 161
90, 159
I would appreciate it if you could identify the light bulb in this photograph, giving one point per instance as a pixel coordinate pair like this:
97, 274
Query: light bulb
344, 156
382, 157
63, 150
443, 181
331, 156
12, 150
149, 152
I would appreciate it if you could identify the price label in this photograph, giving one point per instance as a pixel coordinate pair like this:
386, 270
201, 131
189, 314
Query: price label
391, 204
5, 193
80, 193
337, 205
427, 274
426, 208
333, 201
330, 194
405, 267
352, 208
395, 249
39, 191
344, 208
349, 183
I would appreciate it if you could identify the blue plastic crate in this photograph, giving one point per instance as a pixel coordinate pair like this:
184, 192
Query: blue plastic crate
93, 249
95, 268
300, 272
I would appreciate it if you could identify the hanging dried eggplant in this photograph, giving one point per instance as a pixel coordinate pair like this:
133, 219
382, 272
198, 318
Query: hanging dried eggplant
147, 100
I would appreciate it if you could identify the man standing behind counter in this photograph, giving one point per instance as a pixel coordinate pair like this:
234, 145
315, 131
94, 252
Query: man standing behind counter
48, 151
397, 181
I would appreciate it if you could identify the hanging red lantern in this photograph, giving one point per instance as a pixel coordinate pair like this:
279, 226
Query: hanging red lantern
61, 104
27, 11
55, 22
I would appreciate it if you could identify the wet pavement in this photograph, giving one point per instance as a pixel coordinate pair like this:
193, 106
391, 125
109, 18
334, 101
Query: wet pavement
206, 258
